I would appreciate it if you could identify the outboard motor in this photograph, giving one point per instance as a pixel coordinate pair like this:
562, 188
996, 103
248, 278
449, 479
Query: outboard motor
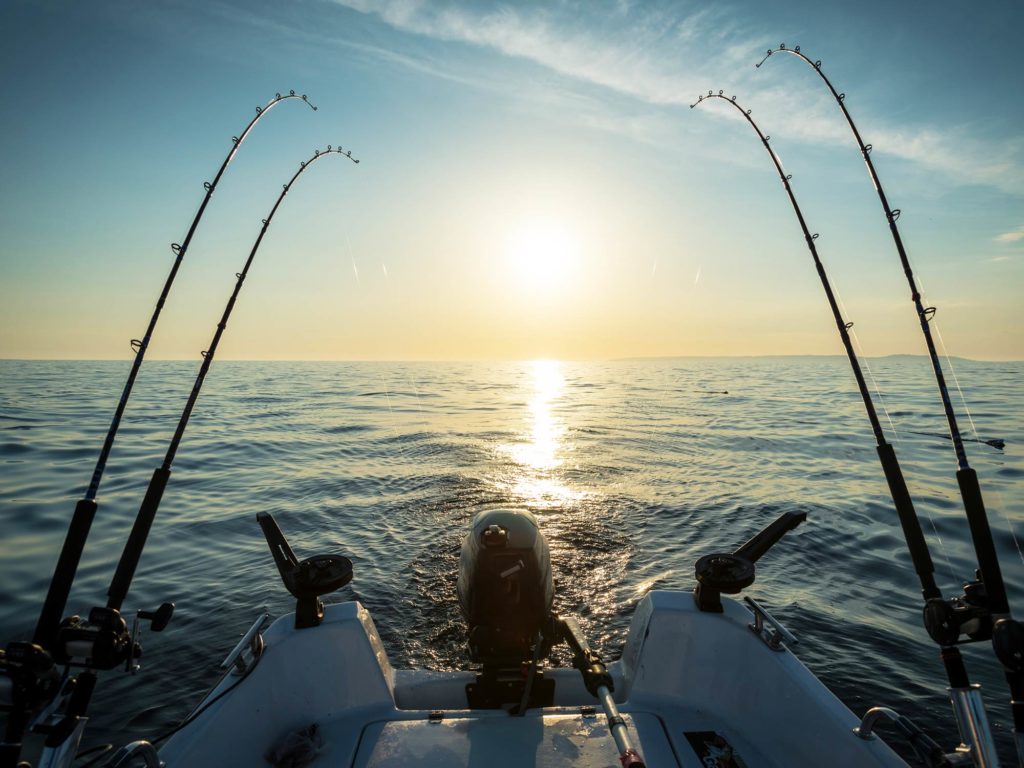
504, 587
506, 594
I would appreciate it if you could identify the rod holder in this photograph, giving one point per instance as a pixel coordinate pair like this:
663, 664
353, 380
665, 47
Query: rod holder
731, 572
307, 579
975, 733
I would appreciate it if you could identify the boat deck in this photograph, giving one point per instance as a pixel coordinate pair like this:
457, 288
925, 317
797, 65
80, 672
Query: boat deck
543, 739
697, 690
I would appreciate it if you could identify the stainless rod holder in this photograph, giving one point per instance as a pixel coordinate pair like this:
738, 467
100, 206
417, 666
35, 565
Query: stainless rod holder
975, 733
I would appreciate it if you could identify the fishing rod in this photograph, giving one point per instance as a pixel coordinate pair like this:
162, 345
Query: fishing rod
85, 510
948, 618
887, 455
133, 547
103, 640
956, 671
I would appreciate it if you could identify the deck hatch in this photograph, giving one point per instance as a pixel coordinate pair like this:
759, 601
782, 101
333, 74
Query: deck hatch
497, 740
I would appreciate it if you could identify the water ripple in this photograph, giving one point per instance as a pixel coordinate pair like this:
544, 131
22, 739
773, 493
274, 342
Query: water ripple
634, 468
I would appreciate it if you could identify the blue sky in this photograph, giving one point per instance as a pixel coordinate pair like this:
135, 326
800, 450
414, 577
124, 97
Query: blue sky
533, 182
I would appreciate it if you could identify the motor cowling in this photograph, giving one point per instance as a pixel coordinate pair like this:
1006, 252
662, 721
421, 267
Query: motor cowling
504, 586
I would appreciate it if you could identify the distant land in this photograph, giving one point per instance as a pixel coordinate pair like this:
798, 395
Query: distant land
800, 357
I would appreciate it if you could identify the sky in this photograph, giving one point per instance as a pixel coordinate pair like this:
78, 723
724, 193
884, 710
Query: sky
532, 180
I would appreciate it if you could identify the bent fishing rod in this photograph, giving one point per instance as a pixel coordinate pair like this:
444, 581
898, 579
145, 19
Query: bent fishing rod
912, 533
85, 510
154, 493
103, 640
947, 618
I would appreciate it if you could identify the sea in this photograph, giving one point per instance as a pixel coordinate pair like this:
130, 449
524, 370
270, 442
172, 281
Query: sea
634, 468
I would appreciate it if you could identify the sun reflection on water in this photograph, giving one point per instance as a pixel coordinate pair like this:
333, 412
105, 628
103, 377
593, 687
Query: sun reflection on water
542, 453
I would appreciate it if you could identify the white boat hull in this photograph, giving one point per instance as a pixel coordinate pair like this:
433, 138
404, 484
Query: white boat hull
694, 687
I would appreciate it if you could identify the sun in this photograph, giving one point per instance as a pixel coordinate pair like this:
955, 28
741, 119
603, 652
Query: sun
542, 256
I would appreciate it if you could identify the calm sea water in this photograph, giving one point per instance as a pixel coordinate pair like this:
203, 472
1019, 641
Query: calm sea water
635, 469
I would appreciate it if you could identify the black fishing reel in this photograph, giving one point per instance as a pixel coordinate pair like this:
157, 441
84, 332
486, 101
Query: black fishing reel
38, 697
967, 618
732, 572
962, 619
103, 641
308, 579
33, 677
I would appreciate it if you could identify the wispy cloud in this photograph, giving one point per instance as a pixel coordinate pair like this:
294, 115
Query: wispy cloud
1010, 237
657, 56
585, 53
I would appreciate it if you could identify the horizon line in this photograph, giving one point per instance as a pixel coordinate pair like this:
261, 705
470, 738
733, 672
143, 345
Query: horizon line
631, 358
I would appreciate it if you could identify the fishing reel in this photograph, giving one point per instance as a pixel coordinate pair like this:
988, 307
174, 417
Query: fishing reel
967, 618
962, 619
103, 641
42, 701
29, 677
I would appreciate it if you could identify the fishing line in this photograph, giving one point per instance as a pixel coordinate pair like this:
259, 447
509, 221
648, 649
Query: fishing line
956, 380
902, 501
133, 547
85, 510
976, 437
408, 375
391, 413
141, 345
874, 383
945, 354
927, 507
864, 360
935, 606
969, 486
946, 620
953, 578
1001, 506
942, 546
1000, 499
416, 393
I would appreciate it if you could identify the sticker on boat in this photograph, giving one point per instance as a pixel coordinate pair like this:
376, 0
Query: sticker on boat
713, 750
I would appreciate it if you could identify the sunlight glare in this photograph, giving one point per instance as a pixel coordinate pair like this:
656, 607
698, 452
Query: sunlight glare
541, 454
542, 256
